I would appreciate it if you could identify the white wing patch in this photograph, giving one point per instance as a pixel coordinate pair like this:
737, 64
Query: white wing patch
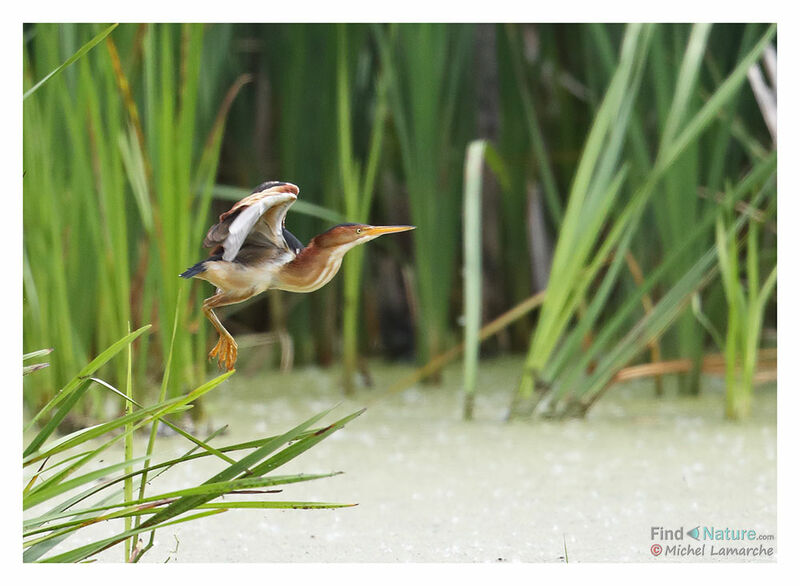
240, 228
272, 208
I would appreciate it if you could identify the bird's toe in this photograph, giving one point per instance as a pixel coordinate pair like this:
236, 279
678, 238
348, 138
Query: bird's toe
214, 352
232, 354
220, 353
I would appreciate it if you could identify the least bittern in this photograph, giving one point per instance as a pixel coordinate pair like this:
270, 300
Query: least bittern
253, 252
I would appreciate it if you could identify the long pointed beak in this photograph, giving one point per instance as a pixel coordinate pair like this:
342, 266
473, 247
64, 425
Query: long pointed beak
381, 230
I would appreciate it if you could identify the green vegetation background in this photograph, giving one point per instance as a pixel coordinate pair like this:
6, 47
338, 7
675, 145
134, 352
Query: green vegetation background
619, 160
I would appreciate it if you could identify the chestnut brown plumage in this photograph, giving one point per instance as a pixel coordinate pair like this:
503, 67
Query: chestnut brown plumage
251, 252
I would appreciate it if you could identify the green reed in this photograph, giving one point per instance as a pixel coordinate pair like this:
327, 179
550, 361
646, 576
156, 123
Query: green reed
358, 176
427, 72
573, 275
75, 207
746, 303
597, 184
121, 152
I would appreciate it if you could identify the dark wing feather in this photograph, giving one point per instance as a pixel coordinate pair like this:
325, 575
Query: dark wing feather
294, 243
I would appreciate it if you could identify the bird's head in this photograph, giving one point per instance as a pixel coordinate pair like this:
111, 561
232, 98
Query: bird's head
346, 236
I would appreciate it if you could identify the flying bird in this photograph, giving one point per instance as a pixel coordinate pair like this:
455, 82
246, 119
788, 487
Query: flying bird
252, 251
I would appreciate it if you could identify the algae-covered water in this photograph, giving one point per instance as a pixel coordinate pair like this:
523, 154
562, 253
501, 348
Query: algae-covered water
431, 487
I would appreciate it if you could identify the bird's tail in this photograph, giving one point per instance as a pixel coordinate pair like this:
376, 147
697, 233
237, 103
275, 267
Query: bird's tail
195, 269
200, 267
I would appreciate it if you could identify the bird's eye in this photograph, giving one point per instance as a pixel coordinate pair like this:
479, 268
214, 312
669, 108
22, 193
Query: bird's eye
358, 231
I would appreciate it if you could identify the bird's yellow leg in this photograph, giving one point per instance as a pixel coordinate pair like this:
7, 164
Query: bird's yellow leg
226, 349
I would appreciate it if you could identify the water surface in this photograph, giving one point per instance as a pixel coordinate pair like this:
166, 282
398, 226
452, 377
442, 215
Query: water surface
431, 487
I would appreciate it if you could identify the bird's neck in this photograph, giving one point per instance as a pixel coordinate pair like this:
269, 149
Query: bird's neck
312, 268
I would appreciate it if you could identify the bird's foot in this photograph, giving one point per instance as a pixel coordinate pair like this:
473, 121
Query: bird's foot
226, 352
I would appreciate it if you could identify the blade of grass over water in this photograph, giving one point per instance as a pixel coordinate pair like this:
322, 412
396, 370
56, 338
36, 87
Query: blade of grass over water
190, 499
161, 509
91, 549
215, 489
155, 504
73, 385
168, 423
141, 418
128, 489
66, 510
151, 441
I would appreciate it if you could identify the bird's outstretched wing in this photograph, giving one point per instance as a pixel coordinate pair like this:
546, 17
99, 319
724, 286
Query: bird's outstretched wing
256, 219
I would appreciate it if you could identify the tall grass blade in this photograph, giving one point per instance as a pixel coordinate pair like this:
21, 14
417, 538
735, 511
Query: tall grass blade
473, 178
75, 56
357, 189
593, 193
72, 386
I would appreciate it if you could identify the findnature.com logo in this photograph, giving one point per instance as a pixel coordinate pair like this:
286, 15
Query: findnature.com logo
711, 541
